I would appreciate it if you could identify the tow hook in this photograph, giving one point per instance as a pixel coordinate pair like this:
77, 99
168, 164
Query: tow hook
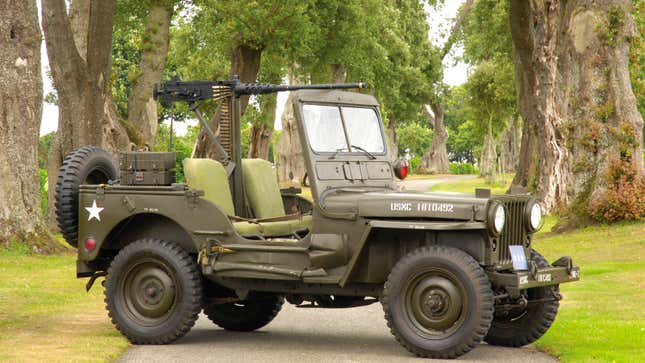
564, 261
93, 278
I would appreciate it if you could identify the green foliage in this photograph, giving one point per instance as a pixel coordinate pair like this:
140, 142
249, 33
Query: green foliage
129, 18
465, 138
389, 49
487, 33
45, 143
465, 142
181, 145
246, 131
463, 168
491, 95
414, 136
490, 90
414, 163
51, 98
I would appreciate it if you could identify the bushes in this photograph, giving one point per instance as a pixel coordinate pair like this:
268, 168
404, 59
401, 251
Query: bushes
463, 168
414, 163
624, 197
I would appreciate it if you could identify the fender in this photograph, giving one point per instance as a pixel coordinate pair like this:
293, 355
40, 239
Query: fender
120, 204
414, 225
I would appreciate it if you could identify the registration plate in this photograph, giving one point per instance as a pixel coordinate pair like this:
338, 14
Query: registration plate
519, 258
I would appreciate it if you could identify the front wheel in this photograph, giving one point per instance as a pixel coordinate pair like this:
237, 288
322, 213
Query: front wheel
522, 326
153, 292
438, 302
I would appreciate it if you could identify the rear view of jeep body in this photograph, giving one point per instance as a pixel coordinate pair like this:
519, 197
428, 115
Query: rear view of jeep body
450, 270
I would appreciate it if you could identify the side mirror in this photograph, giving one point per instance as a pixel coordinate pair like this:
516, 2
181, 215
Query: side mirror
401, 168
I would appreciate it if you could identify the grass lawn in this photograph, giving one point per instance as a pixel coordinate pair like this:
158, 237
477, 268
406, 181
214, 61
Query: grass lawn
601, 317
469, 185
46, 315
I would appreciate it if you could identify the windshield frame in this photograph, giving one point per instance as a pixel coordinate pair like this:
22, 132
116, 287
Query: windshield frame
351, 149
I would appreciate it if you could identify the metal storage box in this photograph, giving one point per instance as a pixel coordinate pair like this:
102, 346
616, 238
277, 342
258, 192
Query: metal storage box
147, 168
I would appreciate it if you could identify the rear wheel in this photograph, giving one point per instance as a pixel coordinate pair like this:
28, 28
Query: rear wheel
253, 313
153, 292
86, 165
522, 326
438, 302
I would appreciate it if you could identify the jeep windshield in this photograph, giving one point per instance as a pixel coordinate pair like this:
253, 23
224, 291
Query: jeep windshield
335, 129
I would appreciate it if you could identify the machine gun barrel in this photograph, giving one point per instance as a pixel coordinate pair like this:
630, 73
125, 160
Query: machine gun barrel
192, 91
262, 88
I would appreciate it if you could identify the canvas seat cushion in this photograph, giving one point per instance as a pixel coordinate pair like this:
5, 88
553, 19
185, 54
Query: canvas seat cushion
211, 177
273, 229
262, 190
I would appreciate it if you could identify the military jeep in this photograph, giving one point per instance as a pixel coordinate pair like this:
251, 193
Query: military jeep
450, 270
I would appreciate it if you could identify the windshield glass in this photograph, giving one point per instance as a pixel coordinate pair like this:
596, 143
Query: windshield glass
324, 127
363, 129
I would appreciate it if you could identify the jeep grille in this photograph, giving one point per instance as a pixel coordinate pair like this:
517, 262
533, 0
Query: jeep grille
514, 232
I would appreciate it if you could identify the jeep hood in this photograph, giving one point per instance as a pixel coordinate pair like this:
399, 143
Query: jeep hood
393, 204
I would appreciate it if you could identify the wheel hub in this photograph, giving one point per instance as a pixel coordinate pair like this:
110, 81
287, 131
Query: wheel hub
149, 293
435, 302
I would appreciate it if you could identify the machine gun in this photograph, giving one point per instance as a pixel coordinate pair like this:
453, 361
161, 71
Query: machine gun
228, 93
193, 91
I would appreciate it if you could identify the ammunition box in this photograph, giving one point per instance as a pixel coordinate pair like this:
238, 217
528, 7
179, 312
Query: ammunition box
147, 168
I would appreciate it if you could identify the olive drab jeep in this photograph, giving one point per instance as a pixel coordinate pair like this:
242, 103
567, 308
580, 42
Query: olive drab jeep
450, 270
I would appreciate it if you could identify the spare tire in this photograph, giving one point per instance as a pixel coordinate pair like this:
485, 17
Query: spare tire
86, 165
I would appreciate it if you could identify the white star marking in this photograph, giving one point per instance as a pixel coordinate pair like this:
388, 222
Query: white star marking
94, 211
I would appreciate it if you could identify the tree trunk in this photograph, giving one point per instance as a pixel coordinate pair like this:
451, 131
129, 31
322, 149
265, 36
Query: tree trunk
291, 162
21, 93
338, 73
262, 128
87, 115
245, 63
488, 159
510, 146
391, 139
575, 98
142, 108
260, 141
435, 160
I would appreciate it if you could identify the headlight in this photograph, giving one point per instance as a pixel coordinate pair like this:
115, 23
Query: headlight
500, 218
534, 216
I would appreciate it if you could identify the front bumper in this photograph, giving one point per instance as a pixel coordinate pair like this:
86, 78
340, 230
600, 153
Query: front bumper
515, 281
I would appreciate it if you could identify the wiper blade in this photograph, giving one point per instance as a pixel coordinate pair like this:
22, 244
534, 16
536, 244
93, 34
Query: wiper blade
333, 156
364, 151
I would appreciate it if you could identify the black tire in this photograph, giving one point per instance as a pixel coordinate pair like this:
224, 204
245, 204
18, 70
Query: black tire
153, 292
438, 302
86, 165
258, 310
527, 325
